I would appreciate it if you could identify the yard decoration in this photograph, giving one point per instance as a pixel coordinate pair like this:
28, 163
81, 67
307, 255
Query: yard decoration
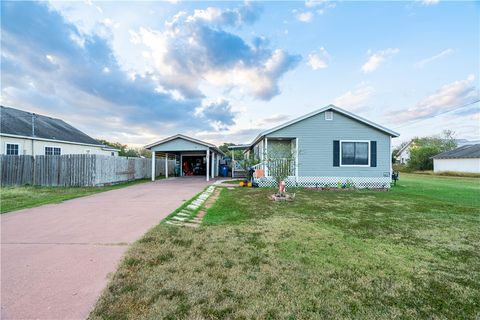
280, 161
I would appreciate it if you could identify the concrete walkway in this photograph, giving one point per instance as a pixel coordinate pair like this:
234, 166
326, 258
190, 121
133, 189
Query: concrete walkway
55, 259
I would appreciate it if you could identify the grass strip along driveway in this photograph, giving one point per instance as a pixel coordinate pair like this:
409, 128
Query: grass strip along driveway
413, 252
16, 198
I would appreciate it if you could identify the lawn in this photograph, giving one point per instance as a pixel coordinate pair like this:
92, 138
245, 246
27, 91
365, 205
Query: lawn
410, 253
16, 198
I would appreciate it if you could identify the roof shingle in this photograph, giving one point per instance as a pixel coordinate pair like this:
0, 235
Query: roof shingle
467, 151
18, 122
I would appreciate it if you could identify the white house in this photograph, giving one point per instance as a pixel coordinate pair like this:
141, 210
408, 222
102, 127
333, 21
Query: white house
462, 159
403, 155
25, 133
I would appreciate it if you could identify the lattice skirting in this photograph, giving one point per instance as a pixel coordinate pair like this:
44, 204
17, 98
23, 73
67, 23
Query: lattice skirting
329, 182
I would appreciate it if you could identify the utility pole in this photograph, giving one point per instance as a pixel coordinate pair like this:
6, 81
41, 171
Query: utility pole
33, 133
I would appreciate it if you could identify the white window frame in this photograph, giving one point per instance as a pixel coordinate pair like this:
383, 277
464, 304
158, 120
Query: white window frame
45, 150
354, 165
329, 113
17, 144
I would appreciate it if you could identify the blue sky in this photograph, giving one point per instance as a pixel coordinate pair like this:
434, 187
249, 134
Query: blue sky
135, 72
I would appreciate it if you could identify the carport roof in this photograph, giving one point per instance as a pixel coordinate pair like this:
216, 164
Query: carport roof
184, 137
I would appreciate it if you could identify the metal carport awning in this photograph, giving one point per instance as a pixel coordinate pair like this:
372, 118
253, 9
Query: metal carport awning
181, 145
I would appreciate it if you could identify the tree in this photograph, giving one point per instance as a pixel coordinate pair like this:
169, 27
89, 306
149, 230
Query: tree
125, 150
280, 161
238, 153
424, 148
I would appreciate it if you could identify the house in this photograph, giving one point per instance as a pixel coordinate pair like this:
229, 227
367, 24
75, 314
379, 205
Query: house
195, 157
462, 159
26, 133
403, 155
330, 147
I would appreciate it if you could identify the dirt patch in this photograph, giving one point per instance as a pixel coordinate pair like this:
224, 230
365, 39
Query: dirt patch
208, 203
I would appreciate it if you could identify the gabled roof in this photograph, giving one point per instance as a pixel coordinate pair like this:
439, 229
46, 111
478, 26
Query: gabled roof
19, 123
405, 147
181, 136
329, 107
468, 151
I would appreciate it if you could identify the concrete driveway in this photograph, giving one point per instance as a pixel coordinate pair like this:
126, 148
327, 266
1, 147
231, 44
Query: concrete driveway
55, 259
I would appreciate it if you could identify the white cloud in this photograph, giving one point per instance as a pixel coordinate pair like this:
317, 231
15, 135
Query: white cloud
355, 99
305, 16
318, 60
378, 58
273, 119
447, 98
429, 2
424, 62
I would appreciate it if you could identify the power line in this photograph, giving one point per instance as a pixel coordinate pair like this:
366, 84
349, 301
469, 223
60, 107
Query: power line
439, 114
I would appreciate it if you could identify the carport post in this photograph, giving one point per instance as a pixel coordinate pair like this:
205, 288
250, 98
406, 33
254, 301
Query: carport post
233, 164
208, 164
213, 164
181, 165
153, 165
166, 165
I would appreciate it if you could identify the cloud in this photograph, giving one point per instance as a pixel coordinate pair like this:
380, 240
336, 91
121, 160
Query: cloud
246, 14
191, 50
305, 16
446, 98
45, 69
276, 118
357, 99
429, 2
318, 60
52, 67
219, 113
378, 58
424, 62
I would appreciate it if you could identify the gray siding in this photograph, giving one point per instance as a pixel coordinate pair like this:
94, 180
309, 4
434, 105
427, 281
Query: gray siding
315, 140
179, 144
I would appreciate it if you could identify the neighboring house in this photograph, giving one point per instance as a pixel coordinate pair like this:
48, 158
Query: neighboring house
25, 133
331, 147
462, 159
403, 155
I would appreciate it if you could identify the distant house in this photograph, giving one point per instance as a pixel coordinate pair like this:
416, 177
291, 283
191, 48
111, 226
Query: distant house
462, 159
331, 146
25, 133
403, 155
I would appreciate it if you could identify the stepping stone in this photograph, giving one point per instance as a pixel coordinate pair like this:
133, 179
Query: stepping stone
174, 223
179, 218
192, 207
183, 214
191, 225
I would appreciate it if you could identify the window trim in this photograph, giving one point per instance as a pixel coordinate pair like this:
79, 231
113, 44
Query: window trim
45, 150
355, 165
17, 144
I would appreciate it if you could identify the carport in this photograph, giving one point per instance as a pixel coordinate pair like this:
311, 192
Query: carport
196, 157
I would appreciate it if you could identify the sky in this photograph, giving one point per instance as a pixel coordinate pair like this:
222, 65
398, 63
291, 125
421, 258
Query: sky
137, 72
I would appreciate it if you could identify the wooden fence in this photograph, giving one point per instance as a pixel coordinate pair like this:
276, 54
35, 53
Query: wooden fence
77, 170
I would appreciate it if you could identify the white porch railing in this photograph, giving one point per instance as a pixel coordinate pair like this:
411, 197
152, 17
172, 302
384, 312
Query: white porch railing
274, 167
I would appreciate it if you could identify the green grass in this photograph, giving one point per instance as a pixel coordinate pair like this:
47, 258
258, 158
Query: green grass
410, 253
16, 198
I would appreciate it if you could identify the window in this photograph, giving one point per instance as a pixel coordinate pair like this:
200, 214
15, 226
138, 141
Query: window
328, 115
112, 153
355, 153
53, 151
12, 149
